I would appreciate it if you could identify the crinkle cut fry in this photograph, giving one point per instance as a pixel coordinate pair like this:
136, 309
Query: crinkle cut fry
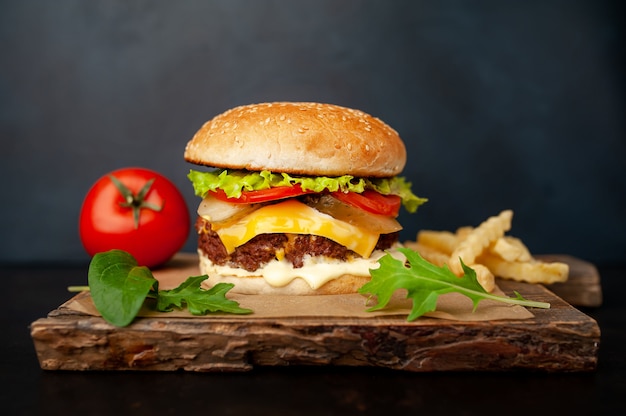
531, 272
430, 254
479, 239
442, 241
511, 249
484, 276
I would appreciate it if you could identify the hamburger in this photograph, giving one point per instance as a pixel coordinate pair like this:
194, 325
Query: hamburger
298, 198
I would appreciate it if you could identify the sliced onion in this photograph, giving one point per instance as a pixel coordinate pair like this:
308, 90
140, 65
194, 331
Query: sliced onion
380, 224
216, 211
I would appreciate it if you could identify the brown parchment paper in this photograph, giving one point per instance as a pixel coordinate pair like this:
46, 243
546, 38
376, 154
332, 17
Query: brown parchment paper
451, 306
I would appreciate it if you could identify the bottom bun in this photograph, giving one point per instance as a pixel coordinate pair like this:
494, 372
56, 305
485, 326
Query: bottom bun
294, 281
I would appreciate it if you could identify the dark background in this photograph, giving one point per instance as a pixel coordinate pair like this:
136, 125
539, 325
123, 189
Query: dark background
502, 104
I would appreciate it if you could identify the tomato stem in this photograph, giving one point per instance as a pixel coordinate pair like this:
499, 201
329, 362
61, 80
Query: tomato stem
136, 202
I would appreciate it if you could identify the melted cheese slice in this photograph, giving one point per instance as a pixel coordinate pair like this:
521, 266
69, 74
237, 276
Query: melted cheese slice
295, 217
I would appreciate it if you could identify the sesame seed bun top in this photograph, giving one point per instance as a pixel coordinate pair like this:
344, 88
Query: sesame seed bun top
299, 138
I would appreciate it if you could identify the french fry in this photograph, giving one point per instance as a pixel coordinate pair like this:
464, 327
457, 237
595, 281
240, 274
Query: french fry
463, 232
488, 251
443, 241
484, 276
510, 249
533, 271
429, 253
479, 239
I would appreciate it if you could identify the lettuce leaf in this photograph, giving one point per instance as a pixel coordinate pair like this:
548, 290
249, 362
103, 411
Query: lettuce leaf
234, 182
397, 185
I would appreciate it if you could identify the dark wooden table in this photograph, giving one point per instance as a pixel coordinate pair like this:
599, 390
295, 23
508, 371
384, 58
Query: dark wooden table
31, 291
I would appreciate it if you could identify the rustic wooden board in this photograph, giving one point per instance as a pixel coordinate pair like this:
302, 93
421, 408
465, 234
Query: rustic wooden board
559, 339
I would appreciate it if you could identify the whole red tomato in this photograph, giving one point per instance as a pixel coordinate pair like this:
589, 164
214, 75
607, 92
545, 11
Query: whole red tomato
136, 210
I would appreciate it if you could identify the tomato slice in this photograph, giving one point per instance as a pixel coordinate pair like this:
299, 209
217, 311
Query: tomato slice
369, 200
262, 195
372, 201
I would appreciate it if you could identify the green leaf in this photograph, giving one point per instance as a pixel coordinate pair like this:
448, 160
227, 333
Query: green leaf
397, 185
233, 182
119, 286
199, 301
424, 282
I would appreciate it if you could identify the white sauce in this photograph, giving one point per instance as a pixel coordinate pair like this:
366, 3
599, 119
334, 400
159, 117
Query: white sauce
316, 271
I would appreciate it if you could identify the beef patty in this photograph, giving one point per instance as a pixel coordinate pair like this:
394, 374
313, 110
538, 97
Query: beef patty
266, 247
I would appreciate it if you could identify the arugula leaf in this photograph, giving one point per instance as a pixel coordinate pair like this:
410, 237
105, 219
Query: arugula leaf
119, 288
424, 283
199, 301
